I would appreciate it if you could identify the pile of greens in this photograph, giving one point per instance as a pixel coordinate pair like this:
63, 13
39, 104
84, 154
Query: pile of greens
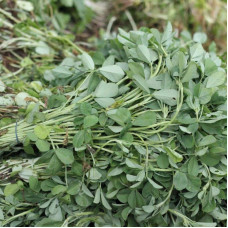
136, 136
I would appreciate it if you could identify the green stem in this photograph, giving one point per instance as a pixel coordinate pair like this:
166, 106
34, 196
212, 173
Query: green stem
16, 216
158, 67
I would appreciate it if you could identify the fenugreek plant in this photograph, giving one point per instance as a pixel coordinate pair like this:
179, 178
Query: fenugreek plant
140, 140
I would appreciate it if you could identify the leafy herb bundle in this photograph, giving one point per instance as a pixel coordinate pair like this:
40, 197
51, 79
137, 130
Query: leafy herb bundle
141, 139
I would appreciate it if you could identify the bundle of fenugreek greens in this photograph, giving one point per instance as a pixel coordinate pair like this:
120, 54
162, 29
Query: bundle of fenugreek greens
138, 140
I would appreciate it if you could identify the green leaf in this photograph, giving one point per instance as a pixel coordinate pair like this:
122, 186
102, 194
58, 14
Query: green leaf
29, 149
175, 157
121, 116
94, 174
56, 100
123, 195
34, 184
193, 167
105, 202
42, 145
202, 151
209, 205
106, 90
200, 37
154, 83
24, 5
194, 183
77, 168
210, 67
135, 199
93, 83
125, 212
124, 38
131, 178
145, 119
47, 185
163, 161
167, 35
87, 61
141, 83
83, 200
190, 73
58, 189
217, 171
148, 208
54, 165
65, 155
210, 158
188, 141
218, 215
48, 75
185, 129
207, 140
1, 215
74, 188
132, 164
110, 194
61, 72
216, 79
132, 199
86, 108
97, 197
47, 222
205, 95
105, 102
181, 61
11, 189
180, 181
78, 139
42, 48
196, 52
41, 131
32, 136
154, 184
112, 72
115, 172
136, 68
143, 53
90, 121
168, 96
86, 191
109, 61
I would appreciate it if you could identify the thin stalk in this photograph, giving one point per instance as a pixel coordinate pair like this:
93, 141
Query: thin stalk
158, 67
